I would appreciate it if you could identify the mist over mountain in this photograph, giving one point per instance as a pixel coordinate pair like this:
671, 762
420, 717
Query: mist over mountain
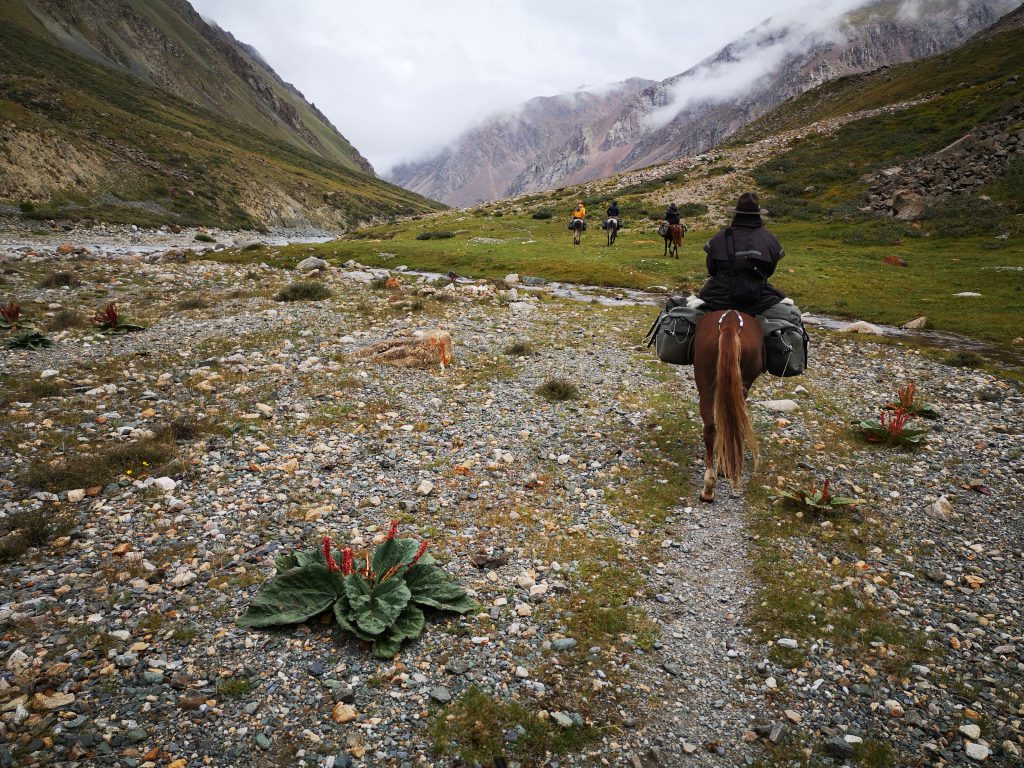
542, 147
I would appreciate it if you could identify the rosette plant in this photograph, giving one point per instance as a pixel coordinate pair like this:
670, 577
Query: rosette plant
108, 320
814, 500
381, 601
891, 428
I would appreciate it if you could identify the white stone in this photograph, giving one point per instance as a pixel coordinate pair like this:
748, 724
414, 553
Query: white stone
786, 642
916, 323
971, 731
76, 495
163, 483
425, 488
563, 458
522, 306
977, 752
967, 295
17, 660
183, 579
940, 509
861, 327
49, 373
512, 279
781, 406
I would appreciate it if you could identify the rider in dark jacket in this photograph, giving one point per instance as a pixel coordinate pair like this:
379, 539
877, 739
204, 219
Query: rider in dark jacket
613, 210
739, 272
672, 215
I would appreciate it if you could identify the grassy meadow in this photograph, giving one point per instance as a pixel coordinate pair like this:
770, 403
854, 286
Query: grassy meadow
833, 268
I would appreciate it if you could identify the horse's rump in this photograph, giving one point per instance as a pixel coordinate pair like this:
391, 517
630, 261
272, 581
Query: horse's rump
675, 234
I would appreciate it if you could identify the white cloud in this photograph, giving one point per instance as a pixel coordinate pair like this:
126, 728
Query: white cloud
403, 78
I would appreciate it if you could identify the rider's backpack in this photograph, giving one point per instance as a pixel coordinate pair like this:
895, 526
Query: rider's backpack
785, 340
663, 229
673, 332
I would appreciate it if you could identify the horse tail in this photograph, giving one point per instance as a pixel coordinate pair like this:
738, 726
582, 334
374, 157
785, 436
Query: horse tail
733, 430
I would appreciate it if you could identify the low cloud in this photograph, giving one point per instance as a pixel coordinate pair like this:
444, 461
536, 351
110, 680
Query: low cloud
755, 55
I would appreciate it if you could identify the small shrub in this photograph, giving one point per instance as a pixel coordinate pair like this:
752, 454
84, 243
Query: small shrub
966, 215
234, 687
253, 247
99, 467
26, 206
65, 319
59, 280
693, 209
202, 237
519, 348
379, 283
498, 214
435, 235
556, 389
879, 231
29, 340
543, 214
31, 528
964, 359
193, 302
307, 290
109, 321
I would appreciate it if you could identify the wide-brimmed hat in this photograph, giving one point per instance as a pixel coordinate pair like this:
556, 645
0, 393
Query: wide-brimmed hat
749, 204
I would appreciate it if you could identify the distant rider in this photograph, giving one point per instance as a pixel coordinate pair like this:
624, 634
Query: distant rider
613, 213
672, 215
580, 212
740, 259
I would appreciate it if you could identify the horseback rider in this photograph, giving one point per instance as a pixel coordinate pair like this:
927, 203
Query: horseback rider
672, 215
740, 259
580, 212
612, 213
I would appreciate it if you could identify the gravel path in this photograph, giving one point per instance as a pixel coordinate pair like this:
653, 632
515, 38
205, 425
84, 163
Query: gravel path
621, 622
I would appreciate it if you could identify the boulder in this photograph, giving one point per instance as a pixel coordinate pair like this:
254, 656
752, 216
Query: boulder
861, 327
916, 324
909, 206
780, 406
311, 264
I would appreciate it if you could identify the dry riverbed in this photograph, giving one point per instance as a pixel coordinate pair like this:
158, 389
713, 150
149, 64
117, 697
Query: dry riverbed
150, 478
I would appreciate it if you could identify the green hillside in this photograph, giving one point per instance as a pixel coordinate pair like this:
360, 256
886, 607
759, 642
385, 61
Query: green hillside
165, 43
958, 90
81, 140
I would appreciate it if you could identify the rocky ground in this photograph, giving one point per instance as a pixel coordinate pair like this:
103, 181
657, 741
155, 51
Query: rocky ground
621, 622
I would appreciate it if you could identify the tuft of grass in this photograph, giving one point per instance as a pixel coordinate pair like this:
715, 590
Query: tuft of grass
99, 467
307, 290
192, 302
31, 528
204, 238
473, 727
541, 215
520, 348
30, 391
66, 319
435, 235
59, 280
555, 389
234, 687
186, 428
964, 359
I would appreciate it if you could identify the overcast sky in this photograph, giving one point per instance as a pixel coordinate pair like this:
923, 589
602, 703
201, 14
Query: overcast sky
401, 78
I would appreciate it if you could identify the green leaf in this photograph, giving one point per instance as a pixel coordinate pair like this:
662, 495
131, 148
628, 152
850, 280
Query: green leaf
343, 613
293, 597
310, 557
408, 626
386, 602
286, 562
392, 553
429, 586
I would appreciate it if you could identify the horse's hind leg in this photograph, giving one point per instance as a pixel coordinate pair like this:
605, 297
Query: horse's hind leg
708, 417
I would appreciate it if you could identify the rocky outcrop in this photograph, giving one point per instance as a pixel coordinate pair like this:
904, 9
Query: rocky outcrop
964, 166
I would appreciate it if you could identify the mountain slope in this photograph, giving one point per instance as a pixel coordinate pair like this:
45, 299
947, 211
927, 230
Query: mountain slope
507, 147
691, 112
83, 140
165, 43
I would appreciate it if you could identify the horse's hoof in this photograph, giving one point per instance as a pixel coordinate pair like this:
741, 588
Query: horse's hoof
708, 497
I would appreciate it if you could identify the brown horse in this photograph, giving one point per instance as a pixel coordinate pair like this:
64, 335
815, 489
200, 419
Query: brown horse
577, 226
673, 239
728, 356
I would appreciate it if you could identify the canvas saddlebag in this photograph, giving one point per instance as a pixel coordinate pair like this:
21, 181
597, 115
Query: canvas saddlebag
673, 332
785, 340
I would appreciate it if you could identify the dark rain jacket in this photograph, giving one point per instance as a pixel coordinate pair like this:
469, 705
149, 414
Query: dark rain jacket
613, 211
673, 217
740, 280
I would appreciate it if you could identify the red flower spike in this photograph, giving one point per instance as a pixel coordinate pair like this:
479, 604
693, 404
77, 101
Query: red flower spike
826, 497
394, 529
331, 565
10, 312
419, 552
346, 561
